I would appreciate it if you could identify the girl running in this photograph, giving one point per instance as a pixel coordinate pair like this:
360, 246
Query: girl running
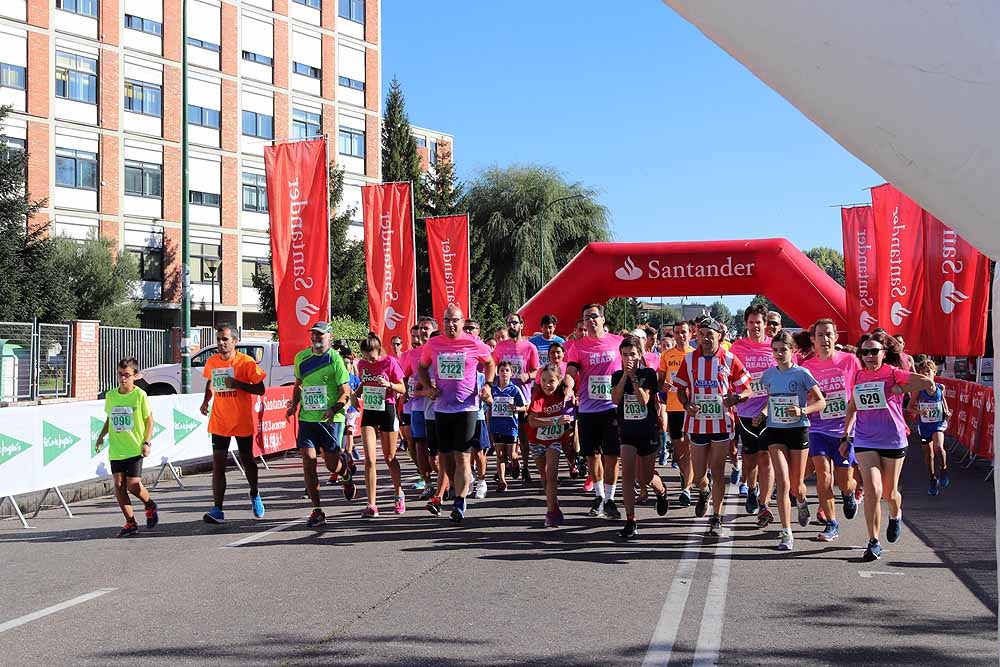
932, 412
875, 411
547, 420
557, 356
381, 381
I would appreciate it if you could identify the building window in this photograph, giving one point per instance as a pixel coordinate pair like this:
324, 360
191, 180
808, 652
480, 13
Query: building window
11, 145
258, 125
143, 25
307, 70
83, 7
204, 45
305, 124
199, 268
144, 98
150, 262
203, 117
250, 56
252, 267
351, 83
76, 169
351, 142
76, 77
421, 142
433, 157
11, 76
352, 10
143, 179
204, 198
315, 4
254, 192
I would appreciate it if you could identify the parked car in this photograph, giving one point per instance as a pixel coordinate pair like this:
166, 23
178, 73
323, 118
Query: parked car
166, 378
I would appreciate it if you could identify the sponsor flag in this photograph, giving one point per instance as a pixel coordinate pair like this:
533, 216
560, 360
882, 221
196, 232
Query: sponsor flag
448, 256
390, 259
899, 242
858, 224
299, 209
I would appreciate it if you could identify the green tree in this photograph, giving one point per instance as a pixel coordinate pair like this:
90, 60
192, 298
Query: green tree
510, 208
786, 321
101, 280
830, 260
664, 316
720, 311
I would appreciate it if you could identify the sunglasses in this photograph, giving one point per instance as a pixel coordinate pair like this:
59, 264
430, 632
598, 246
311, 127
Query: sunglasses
871, 351
774, 324
593, 316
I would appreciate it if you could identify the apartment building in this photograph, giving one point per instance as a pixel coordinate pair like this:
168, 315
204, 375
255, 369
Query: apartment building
432, 145
96, 91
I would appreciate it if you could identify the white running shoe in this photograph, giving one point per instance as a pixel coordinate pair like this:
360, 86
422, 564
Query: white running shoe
480, 492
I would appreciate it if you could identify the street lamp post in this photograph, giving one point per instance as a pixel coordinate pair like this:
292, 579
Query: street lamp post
541, 243
212, 264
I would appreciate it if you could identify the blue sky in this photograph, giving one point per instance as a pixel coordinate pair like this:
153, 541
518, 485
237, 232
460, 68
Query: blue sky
681, 141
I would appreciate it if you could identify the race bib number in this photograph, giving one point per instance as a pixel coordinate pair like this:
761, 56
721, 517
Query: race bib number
870, 396
757, 387
543, 358
451, 366
634, 409
931, 412
550, 432
503, 406
780, 413
517, 363
710, 407
836, 405
219, 376
411, 386
314, 398
373, 397
599, 387
121, 419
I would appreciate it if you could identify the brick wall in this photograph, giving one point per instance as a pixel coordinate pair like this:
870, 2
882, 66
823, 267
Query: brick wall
371, 21
111, 95
282, 124
330, 129
38, 14
172, 278
109, 20
424, 154
280, 7
281, 65
172, 118
230, 270
371, 79
329, 88
110, 158
230, 193
372, 154
86, 353
172, 183
111, 230
39, 73
230, 45
327, 16
172, 39
230, 116
39, 151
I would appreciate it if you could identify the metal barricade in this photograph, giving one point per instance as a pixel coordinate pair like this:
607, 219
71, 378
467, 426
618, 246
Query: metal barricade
54, 357
35, 361
149, 346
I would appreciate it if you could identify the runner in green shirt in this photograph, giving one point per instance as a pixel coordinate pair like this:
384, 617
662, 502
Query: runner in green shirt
321, 392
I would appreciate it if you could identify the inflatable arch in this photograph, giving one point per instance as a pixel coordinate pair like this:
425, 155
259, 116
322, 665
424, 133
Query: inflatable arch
772, 267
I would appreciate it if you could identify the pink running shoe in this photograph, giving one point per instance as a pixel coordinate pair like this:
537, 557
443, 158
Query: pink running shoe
588, 485
370, 512
400, 505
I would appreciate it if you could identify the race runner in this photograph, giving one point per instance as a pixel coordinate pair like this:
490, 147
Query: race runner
523, 357
547, 419
670, 363
932, 412
548, 336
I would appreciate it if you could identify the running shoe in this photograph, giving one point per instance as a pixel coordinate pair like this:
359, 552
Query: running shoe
821, 517
317, 518
744, 490
764, 518
597, 507
786, 540
873, 552
152, 515
734, 475
753, 502
257, 506
550, 520
943, 478
130, 528
502, 486
214, 515
574, 472
850, 505
399, 506
684, 499
419, 485
793, 500
449, 495
370, 512
588, 485
481, 489
859, 494
515, 468
491, 451
433, 506
702, 505
933, 487
559, 518
525, 474
581, 466
662, 504
660, 460
457, 514
355, 453
401, 447
611, 510
893, 530
804, 514
350, 489
830, 533
629, 530
715, 525
427, 494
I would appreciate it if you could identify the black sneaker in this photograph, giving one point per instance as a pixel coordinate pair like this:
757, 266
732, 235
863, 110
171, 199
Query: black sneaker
684, 498
702, 505
597, 507
525, 474
662, 504
850, 505
753, 502
611, 510
893, 530
873, 552
630, 530
715, 525
130, 528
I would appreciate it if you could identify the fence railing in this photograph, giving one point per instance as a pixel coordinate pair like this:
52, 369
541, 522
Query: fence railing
35, 361
149, 346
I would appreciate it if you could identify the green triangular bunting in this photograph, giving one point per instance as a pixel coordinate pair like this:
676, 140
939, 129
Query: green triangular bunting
11, 447
95, 430
183, 425
157, 429
55, 442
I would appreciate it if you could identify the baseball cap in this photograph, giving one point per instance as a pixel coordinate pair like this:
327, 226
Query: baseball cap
322, 327
711, 323
638, 333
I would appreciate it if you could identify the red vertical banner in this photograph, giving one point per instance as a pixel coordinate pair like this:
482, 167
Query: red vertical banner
900, 275
860, 264
448, 256
298, 197
390, 259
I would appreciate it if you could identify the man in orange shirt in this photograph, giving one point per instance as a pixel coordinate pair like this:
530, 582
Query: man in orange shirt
234, 379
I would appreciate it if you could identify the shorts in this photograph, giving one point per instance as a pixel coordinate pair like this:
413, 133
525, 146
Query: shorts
705, 439
599, 433
456, 432
130, 467
504, 439
927, 431
384, 420
752, 437
884, 453
675, 424
483, 434
418, 425
430, 431
643, 446
795, 438
244, 443
325, 436
405, 419
821, 444
538, 450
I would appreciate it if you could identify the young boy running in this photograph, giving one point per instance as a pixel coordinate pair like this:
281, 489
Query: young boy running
508, 406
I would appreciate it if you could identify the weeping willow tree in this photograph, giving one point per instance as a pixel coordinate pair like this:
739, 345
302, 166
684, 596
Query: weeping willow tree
522, 212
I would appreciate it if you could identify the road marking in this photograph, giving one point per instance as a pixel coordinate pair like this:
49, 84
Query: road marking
706, 650
868, 574
256, 536
34, 616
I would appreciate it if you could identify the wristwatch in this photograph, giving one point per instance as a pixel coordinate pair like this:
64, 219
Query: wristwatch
146, 443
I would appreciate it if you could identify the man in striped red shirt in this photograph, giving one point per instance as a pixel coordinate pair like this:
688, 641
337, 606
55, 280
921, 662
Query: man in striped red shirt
710, 381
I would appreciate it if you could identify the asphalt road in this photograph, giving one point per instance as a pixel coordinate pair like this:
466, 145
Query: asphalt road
500, 589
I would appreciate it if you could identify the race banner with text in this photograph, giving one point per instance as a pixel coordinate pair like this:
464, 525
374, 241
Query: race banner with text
390, 260
858, 224
448, 256
299, 210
